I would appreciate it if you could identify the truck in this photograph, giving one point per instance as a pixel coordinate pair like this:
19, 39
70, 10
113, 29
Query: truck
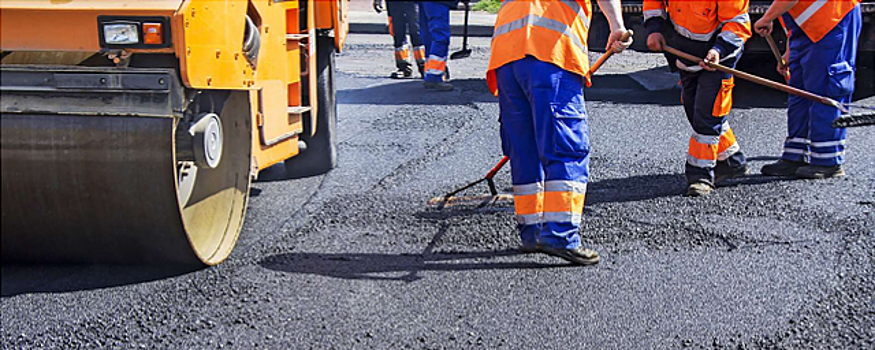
757, 57
132, 130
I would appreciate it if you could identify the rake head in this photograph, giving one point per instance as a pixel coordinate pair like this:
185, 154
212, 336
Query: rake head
850, 121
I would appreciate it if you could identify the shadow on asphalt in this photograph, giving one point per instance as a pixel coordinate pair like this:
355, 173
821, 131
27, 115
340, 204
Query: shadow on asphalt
25, 279
615, 88
393, 267
278, 173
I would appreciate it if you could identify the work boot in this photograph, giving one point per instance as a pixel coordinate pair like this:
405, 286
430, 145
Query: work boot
577, 256
782, 168
725, 173
402, 73
698, 189
439, 86
820, 172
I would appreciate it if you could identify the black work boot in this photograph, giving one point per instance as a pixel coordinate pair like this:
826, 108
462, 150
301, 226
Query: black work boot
782, 168
698, 189
725, 173
402, 74
577, 256
405, 70
820, 172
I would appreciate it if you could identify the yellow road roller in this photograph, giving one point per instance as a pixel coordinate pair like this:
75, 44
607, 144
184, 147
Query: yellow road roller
131, 130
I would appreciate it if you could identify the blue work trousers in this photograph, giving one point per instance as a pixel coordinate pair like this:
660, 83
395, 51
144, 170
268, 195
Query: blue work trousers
825, 68
434, 24
544, 132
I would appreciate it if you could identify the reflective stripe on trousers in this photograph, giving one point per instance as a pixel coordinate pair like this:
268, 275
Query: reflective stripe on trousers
435, 20
545, 134
706, 97
824, 68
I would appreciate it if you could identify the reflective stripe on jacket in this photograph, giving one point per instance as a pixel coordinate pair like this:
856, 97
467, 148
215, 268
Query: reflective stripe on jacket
700, 20
818, 17
553, 31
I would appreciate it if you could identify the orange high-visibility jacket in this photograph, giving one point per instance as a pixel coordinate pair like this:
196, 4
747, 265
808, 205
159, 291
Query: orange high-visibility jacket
818, 17
700, 21
553, 31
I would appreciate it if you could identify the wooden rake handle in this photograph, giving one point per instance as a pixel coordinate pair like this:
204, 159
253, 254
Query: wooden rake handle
759, 80
604, 57
778, 57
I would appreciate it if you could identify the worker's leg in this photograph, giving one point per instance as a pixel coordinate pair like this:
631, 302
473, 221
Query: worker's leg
438, 50
712, 139
830, 72
398, 29
518, 143
562, 134
412, 17
424, 34
796, 149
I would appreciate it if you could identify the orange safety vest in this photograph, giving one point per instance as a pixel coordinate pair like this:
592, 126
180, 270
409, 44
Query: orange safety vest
700, 20
553, 31
818, 17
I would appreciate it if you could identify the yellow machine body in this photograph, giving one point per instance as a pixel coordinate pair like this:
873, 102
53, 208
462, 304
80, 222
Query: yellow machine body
62, 43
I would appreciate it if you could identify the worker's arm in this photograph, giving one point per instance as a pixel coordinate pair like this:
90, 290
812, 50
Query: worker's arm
736, 26
654, 20
614, 13
763, 26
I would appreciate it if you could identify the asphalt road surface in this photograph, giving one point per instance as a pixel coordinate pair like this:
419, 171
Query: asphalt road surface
355, 259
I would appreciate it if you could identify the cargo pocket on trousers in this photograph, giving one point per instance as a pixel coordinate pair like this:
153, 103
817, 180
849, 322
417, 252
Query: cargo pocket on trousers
723, 102
841, 80
570, 131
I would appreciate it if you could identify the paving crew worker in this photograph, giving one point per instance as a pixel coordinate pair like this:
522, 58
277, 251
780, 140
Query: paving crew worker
821, 55
717, 31
404, 20
538, 68
435, 23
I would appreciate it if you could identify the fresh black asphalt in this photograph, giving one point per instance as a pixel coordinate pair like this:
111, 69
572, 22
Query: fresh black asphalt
355, 259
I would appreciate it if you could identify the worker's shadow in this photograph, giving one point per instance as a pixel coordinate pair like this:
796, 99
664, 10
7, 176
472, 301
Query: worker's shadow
398, 267
411, 92
46, 278
394, 267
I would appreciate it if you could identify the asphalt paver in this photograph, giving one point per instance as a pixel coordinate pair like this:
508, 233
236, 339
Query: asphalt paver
357, 259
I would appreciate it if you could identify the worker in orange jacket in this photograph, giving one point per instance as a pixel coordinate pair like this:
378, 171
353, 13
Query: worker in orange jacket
538, 68
821, 55
717, 31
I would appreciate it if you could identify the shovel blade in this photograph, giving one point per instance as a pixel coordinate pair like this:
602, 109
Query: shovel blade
460, 54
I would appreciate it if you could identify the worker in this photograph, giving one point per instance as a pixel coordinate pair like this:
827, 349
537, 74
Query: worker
821, 55
717, 31
434, 19
538, 69
404, 21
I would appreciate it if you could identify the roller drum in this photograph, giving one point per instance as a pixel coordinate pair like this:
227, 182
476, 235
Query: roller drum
89, 170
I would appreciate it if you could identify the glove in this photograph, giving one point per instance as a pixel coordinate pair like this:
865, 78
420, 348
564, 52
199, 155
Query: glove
378, 6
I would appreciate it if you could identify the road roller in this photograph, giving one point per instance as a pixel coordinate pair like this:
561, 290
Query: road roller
131, 130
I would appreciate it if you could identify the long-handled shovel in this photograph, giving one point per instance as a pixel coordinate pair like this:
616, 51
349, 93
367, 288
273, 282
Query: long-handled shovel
465, 51
845, 120
494, 196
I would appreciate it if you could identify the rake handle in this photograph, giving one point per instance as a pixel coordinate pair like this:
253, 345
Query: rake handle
497, 167
777, 53
604, 57
759, 80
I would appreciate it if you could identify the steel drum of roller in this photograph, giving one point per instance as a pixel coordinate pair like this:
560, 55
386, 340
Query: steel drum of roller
86, 179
